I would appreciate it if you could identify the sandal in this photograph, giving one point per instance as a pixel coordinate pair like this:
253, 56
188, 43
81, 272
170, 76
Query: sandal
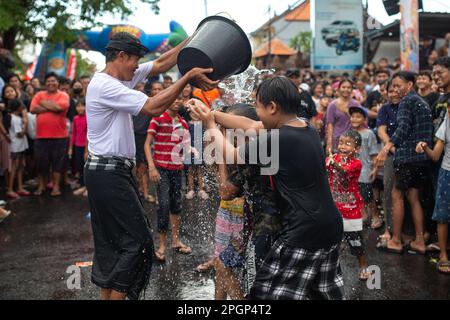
443, 267
364, 274
376, 226
23, 193
38, 192
411, 250
204, 267
7, 213
383, 246
12, 195
183, 249
55, 193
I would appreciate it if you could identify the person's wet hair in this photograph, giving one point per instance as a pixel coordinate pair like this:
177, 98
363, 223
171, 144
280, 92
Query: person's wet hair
280, 90
244, 110
407, 76
355, 136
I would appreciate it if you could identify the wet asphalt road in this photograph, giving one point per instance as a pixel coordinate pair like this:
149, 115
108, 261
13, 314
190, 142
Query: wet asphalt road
44, 236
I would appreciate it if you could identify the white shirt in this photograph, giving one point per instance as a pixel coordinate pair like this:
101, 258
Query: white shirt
17, 144
110, 103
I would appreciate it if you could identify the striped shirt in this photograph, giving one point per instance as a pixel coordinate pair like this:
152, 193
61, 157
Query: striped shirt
171, 136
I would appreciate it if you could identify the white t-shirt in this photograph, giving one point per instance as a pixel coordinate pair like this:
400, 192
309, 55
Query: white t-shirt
17, 144
444, 134
110, 103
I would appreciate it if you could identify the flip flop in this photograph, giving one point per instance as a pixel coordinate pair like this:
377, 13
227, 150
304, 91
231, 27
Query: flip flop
38, 192
382, 246
434, 247
7, 212
443, 264
204, 267
364, 274
411, 250
182, 249
55, 194
377, 226
23, 193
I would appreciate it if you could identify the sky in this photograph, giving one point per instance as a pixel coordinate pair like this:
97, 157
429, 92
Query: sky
249, 14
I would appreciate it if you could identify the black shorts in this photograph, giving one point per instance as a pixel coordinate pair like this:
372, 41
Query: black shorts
50, 153
139, 140
366, 191
355, 243
410, 175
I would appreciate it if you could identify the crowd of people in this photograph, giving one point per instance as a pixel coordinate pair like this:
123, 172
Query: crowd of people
383, 137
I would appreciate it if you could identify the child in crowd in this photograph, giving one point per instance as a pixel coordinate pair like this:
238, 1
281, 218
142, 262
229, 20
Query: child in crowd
78, 140
319, 120
343, 172
367, 154
441, 212
195, 167
19, 143
169, 134
303, 263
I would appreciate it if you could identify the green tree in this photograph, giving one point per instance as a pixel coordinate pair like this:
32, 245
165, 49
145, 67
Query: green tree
302, 42
28, 20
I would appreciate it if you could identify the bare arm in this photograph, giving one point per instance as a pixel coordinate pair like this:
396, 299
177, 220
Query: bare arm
24, 121
433, 154
227, 190
156, 105
167, 60
152, 171
50, 106
329, 138
38, 109
382, 134
203, 113
230, 121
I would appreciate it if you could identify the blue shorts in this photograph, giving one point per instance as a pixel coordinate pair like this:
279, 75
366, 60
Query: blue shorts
441, 212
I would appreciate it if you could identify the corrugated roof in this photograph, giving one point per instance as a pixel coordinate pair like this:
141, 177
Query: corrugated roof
277, 48
300, 13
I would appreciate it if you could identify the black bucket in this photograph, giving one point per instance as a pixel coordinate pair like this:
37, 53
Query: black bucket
218, 43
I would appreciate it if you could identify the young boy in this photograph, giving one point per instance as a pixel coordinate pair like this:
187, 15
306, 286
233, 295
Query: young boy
304, 261
367, 153
343, 172
169, 134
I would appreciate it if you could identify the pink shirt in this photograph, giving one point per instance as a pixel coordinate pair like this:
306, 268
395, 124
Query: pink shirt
79, 131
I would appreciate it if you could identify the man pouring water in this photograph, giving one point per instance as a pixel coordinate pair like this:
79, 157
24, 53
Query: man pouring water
122, 239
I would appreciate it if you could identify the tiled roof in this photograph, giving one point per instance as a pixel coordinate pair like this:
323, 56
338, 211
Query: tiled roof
277, 48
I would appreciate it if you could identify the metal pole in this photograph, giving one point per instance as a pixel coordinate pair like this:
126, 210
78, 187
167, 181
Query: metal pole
269, 53
206, 7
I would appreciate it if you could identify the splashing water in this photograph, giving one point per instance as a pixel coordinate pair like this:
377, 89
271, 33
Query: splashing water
238, 88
